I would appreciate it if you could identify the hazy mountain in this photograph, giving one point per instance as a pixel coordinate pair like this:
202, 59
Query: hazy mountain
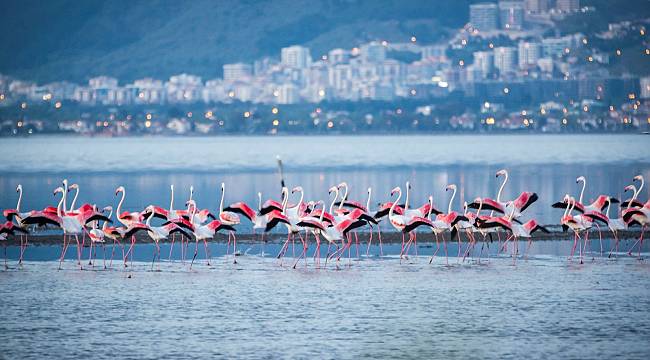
70, 39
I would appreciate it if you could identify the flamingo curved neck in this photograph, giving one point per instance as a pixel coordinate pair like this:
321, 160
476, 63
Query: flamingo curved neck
20, 198
453, 195
505, 180
148, 223
480, 206
582, 192
65, 196
336, 195
344, 197
58, 207
119, 205
368, 201
406, 202
171, 201
74, 199
638, 191
392, 207
302, 195
259, 197
223, 191
285, 199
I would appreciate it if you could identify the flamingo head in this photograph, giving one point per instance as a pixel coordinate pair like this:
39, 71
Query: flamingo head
638, 178
296, 189
453, 186
191, 189
566, 198
396, 189
408, 185
58, 190
631, 188
580, 178
119, 190
107, 209
503, 172
342, 185
65, 182
19, 188
73, 186
332, 189
465, 205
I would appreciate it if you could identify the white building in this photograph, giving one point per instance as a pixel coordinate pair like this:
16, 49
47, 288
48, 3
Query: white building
295, 57
505, 59
484, 16
529, 53
102, 82
237, 72
484, 62
511, 15
148, 91
373, 52
289, 94
338, 56
184, 88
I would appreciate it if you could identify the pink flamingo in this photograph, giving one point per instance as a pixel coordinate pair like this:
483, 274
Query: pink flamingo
230, 219
9, 228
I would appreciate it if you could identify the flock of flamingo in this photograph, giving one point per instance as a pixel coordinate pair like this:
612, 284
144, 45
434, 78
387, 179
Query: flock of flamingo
334, 223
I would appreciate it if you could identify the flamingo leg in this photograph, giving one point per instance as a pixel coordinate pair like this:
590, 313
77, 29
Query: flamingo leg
381, 251
76, 237
171, 248
196, 251
63, 250
234, 248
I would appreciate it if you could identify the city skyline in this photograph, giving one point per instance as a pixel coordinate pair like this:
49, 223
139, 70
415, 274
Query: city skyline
508, 58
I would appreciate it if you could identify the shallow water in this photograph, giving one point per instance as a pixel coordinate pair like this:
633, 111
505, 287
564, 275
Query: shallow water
543, 307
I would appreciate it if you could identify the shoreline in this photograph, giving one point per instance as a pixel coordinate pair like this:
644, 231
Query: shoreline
387, 237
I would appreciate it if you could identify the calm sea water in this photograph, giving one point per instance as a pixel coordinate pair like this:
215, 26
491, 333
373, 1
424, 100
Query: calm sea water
544, 307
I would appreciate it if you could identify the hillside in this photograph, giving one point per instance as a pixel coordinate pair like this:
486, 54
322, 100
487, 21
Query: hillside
74, 40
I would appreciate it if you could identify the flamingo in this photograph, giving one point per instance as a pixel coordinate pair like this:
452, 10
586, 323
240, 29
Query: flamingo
205, 232
633, 202
8, 228
616, 224
358, 212
159, 233
97, 237
127, 219
73, 225
118, 233
11, 214
639, 216
403, 223
231, 219
446, 222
